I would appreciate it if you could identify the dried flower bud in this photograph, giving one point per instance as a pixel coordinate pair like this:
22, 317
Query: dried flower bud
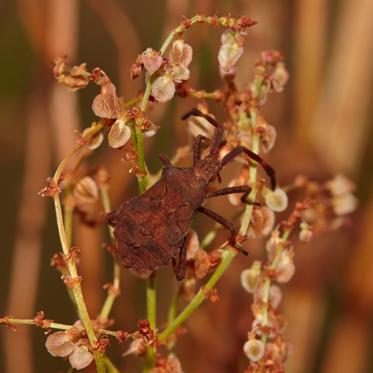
201, 264
276, 200
152, 60
280, 77
74, 78
275, 296
119, 134
181, 53
95, 141
254, 349
81, 357
106, 104
86, 190
285, 267
344, 204
262, 222
137, 347
163, 88
340, 185
250, 277
59, 344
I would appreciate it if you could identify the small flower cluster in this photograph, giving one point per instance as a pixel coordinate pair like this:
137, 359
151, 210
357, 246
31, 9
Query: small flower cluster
266, 347
71, 343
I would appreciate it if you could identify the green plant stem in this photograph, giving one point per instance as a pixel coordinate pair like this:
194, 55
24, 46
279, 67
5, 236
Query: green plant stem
201, 295
68, 220
73, 273
52, 325
267, 282
110, 367
115, 288
77, 289
151, 313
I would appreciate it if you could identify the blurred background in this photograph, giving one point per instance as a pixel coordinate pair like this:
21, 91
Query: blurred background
324, 126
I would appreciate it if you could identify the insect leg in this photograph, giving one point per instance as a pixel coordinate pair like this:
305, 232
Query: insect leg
197, 148
241, 149
218, 133
232, 190
180, 266
226, 224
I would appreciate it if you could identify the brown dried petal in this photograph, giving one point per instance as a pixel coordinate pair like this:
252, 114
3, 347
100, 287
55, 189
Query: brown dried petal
106, 104
163, 88
181, 53
119, 134
152, 60
81, 357
59, 344
86, 190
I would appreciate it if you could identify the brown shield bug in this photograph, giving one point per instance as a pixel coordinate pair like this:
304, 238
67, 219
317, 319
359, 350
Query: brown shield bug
151, 228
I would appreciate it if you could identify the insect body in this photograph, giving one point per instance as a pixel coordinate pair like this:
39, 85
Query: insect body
151, 228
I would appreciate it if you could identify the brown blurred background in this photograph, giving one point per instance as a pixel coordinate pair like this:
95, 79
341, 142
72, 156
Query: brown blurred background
324, 127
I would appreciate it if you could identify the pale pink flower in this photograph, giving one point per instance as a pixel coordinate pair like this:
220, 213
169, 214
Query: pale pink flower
119, 134
151, 60
59, 344
106, 104
340, 185
285, 268
344, 204
163, 88
137, 347
181, 53
280, 76
250, 277
262, 222
276, 200
81, 357
254, 349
